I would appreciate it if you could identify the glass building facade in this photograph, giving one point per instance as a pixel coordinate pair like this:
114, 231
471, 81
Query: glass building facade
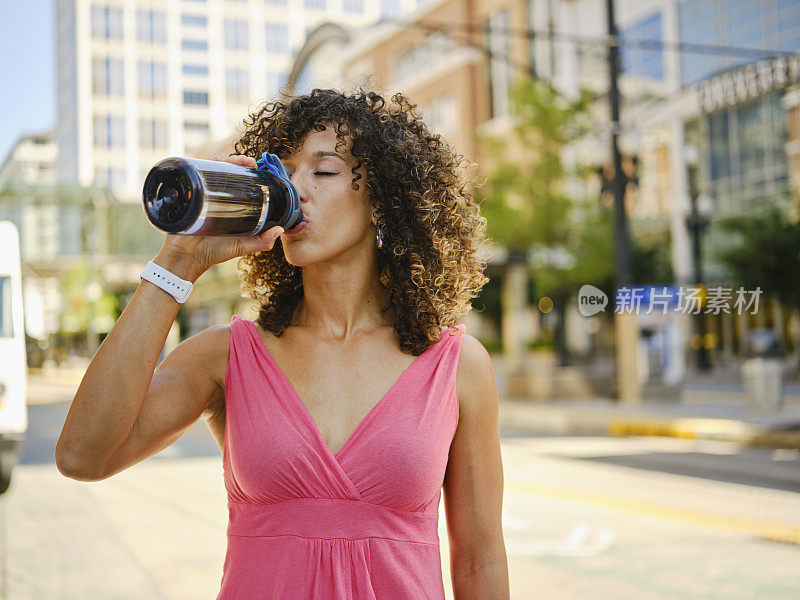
743, 142
756, 24
745, 153
638, 59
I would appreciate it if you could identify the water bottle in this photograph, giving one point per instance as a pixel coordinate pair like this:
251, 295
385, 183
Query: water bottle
191, 196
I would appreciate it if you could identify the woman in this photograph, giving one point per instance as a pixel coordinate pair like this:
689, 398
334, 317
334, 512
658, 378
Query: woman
352, 401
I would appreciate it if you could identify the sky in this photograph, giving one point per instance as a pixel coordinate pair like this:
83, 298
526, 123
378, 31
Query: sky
27, 69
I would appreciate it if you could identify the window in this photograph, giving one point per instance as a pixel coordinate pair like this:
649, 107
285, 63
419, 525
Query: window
235, 34
420, 56
108, 76
152, 79
195, 45
106, 22
152, 134
199, 126
314, 4
6, 321
109, 132
275, 2
195, 132
277, 37
638, 60
195, 70
194, 20
112, 177
195, 97
354, 6
530, 7
390, 8
746, 151
274, 81
740, 23
499, 72
151, 26
237, 85
443, 115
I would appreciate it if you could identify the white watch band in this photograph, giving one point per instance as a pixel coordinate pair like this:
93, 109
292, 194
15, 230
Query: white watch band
167, 281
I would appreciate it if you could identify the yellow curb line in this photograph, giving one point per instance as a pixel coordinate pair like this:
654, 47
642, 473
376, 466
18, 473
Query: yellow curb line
770, 530
685, 427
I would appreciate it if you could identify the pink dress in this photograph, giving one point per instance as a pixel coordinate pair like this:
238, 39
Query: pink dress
305, 524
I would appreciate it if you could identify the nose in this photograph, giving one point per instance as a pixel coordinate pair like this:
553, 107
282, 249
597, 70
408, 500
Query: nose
295, 179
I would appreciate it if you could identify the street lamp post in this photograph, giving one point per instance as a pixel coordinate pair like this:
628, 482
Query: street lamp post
697, 222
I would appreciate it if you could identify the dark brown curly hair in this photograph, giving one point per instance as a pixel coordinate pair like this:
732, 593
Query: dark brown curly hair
430, 263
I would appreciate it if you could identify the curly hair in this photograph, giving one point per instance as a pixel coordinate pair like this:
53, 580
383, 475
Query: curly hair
430, 263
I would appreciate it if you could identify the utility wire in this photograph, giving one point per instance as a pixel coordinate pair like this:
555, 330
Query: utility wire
604, 41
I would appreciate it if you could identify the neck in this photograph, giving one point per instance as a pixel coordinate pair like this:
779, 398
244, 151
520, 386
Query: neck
342, 298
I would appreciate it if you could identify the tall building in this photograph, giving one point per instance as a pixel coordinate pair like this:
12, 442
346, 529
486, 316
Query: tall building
138, 81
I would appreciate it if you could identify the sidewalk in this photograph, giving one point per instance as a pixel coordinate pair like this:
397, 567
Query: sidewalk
54, 385
713, 406
690, 417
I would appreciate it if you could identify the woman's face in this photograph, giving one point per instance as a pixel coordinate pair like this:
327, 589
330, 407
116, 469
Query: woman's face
340, 218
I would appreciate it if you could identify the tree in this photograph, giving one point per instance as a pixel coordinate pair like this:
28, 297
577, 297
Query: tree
530, 211
767, 255
526, 202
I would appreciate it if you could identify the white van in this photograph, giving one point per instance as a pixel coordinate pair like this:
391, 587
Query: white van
13, 363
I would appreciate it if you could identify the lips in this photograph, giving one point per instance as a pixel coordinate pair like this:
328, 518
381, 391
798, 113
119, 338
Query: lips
298, 228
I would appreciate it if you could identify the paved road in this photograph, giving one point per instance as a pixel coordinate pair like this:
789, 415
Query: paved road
584, 518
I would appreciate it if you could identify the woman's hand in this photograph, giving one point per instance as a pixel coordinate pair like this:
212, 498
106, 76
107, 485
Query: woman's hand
189, 256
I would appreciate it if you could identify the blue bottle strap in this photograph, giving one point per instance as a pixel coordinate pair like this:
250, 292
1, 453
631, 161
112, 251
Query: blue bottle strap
270, 162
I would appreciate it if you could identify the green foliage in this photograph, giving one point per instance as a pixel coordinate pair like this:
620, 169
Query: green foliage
131, 233
488, 301
652, 263
86, 305
768, 255
524, 202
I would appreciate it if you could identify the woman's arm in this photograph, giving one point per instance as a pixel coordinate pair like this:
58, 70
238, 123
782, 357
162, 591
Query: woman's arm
125, 410
102, 415
473, 484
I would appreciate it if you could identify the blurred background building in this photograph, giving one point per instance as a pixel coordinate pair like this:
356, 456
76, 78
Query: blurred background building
142, 80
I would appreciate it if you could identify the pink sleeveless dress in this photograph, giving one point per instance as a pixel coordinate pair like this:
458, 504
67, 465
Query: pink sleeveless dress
305, 524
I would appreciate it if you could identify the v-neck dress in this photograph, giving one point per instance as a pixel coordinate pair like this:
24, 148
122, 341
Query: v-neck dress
305, 524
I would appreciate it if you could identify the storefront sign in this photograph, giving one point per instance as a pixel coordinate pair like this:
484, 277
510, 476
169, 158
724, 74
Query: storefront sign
748, 82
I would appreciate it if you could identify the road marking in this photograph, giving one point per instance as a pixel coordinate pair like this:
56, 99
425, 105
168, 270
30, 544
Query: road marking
770, 530
582, 541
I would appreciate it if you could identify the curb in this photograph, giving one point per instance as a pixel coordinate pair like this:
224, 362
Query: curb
556, 420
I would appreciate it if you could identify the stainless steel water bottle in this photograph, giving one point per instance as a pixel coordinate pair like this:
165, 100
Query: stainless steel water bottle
191, 196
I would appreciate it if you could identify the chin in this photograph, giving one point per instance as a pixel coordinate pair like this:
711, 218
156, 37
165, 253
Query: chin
300, 258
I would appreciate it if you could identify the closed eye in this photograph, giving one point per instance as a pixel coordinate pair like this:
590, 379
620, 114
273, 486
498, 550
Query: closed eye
324, 173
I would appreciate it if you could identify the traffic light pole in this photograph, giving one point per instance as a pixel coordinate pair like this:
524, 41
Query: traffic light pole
626, 327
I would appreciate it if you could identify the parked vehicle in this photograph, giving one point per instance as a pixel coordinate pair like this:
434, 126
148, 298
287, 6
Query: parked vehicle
13, 365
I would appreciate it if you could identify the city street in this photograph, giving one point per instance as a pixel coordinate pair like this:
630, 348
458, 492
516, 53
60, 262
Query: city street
606, 195
584, 517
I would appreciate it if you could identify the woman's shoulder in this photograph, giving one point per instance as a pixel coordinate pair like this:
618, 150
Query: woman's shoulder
213, 343
475, 376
